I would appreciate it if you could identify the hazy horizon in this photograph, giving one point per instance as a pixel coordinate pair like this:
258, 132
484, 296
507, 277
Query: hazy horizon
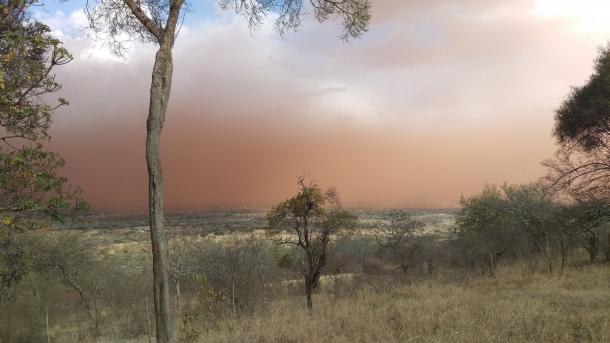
434, 102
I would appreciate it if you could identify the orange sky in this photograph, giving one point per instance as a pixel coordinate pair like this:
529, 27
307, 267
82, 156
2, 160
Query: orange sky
436, 100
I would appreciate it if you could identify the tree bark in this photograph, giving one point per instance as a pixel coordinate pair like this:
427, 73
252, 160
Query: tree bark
593, 248
178, 307
233, 297
492, 266
608, 249
47, 322
308, 292
159, 95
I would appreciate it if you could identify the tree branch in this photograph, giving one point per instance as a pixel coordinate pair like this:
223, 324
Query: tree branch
150, 25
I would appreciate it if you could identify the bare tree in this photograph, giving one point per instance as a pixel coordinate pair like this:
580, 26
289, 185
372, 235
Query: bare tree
182, 259
583, 177
158, 21
307, 221
580, 174
239, 268
68, 259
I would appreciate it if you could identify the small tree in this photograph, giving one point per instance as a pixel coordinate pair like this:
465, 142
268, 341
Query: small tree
68, 259
530, 210
399, 238
307, 221
483, 224
239, 268
181, 261
586, 223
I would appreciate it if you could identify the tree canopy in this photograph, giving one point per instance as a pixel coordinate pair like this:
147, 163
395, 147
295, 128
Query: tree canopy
148, 20
584, 117
31, 190
307, 221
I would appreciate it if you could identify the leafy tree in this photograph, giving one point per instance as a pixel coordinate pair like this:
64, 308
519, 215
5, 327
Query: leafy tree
400, 238
584, 116
582, 166
483, 222
31, 191
582, 127
530, 210
586, 222
307, 221
157, 21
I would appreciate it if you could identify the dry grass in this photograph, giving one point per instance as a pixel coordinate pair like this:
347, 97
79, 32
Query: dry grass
517, 306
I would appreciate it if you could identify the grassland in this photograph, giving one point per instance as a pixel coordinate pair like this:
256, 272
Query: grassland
517, 306
366, 301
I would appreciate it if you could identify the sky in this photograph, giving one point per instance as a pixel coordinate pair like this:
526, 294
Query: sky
438, 99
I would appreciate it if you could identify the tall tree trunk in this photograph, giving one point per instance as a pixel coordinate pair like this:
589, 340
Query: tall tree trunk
159, 95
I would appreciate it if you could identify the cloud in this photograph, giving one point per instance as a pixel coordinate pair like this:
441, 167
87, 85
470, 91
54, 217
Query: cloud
437, 99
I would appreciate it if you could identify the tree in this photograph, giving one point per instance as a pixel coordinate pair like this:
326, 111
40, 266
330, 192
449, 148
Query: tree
68, 258
400, 238
307, 221
31, 191
157, 21
530, 209
582, 127
585, 224
483, 223
239, 268
583, 118
181, 259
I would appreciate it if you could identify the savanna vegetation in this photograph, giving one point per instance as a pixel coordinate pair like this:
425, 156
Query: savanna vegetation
394, 276
512, 263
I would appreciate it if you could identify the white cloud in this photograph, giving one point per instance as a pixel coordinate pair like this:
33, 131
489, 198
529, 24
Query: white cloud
583, 16
73, 30
474, 72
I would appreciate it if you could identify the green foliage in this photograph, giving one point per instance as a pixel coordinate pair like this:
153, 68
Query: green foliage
32, 193
30, 188
307, 221
522, 219
28, 54
14, 264
584, 117
500, 221
355, 14
481, 213
399, 238
117, 18
310, 214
